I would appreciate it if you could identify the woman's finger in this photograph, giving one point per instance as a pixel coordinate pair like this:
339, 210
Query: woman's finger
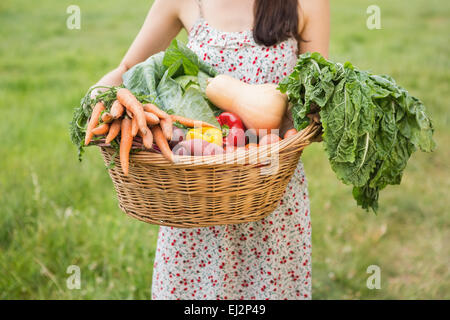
96, 91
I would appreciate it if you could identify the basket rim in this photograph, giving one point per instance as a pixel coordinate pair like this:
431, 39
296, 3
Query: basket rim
239, 156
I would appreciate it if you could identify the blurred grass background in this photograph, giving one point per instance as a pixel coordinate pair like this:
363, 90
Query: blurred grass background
56, 212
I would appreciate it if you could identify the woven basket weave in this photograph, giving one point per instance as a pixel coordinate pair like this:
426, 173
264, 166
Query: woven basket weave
205, 191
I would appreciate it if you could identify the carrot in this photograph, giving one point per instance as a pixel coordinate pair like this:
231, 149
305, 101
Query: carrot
129, 114
167, 127
165, 120
116, 109
191, 123
149, 107
134, 124
134, 127
151, 118
93, 122
147, 139
126, 140
101, 129
162, 143
129, 101
114, 130
107, 117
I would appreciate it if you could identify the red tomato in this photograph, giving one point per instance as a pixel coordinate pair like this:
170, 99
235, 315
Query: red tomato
290, 133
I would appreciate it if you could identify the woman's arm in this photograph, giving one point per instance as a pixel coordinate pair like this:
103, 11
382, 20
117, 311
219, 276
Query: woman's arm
315, 29
160, 27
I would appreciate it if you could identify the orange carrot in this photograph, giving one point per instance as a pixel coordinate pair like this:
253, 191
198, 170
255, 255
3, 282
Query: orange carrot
129, 114
149, 107
93, 122
191, 123
116, 109
113, 131
147, 139
165, 120
134, 127
167, 127
151, 118
101, 129
134, 124
126, 141
129, 101
107, 117
162, 143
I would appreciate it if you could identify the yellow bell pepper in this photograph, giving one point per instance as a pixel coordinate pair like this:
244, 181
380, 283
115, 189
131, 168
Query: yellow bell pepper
211, 135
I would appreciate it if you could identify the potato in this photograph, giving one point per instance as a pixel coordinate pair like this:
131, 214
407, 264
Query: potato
178, 135
197, 147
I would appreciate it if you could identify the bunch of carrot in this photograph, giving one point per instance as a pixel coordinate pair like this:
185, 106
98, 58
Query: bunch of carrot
130, 118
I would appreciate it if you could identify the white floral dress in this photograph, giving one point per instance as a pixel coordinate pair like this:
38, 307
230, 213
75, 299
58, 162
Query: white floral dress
267, 259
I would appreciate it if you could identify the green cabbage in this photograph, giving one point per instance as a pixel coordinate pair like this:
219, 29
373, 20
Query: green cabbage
174, 80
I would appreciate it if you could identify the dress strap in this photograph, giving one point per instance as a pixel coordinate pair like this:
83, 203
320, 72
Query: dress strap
200, 7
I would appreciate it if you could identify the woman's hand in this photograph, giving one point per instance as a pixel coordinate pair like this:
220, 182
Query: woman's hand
288, 122
314, 113
95, 92
113, 78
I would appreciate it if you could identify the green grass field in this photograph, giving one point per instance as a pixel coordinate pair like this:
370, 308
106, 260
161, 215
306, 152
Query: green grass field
56, 212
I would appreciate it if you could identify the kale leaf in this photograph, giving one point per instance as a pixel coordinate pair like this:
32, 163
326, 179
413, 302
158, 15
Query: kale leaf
371, 126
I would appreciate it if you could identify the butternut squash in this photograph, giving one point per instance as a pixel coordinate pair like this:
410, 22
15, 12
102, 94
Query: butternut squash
259, 106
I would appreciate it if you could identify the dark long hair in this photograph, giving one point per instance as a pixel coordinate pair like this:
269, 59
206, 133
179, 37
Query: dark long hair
275, 21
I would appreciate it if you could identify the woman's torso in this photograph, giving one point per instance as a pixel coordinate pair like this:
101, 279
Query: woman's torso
237, 54
266, 259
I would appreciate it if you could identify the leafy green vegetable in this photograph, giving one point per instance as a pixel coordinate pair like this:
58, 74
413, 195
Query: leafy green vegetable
371, 126
175, 81
187, 101
144, 77
191, 62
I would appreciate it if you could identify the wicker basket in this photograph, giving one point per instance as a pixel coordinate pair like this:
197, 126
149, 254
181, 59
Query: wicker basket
205, 191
